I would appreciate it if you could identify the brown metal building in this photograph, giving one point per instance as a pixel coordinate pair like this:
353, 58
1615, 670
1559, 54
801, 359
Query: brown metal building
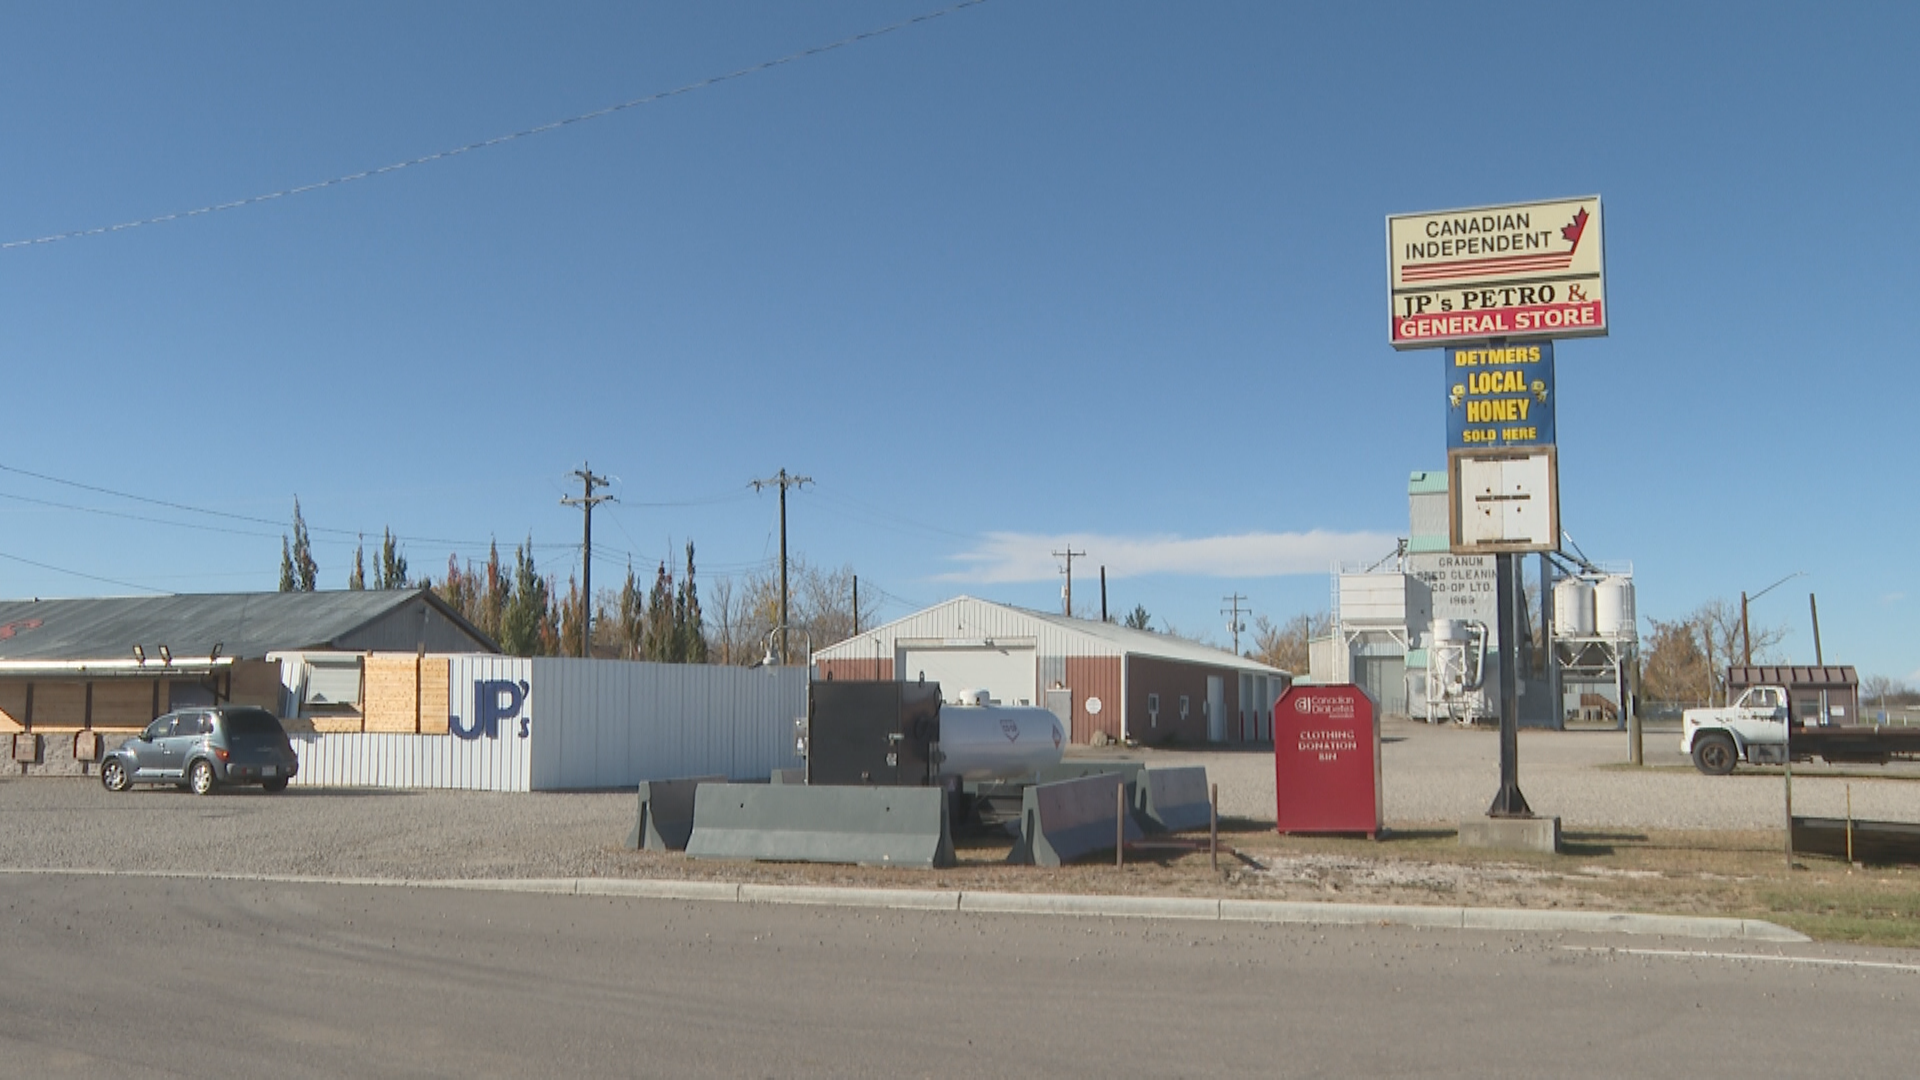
1102, 679
1820, 695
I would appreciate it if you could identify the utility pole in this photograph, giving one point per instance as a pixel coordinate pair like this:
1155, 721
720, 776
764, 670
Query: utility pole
1069, 555
856, 605
783, 482
1234, 625
586, 502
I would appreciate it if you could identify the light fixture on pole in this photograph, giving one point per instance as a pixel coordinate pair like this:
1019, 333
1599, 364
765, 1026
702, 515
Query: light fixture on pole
775, 657
1746, 636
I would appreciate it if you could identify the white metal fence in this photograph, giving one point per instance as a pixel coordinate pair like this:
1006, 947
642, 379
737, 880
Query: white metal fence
558, 724
412, 761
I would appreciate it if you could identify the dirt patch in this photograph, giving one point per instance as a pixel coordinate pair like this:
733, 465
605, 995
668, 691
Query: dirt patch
1728, 874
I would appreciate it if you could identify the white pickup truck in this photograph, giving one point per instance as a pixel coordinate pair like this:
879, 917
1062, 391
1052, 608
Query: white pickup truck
1752, 729
1758, 730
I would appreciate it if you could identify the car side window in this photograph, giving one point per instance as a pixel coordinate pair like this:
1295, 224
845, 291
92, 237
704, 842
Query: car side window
159, 729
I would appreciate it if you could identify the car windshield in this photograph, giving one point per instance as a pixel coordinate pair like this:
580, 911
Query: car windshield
253, 723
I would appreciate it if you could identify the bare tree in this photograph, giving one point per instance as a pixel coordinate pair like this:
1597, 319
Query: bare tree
1286, 646
1879, 689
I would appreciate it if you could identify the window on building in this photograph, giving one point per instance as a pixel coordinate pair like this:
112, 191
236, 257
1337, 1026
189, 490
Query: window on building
333, 683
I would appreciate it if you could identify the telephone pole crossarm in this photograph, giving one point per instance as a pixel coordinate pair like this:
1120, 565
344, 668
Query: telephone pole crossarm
1069, 555
586, 502
783, 481
1234, 625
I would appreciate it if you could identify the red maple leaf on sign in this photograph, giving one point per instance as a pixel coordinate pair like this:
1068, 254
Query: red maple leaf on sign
1573, 231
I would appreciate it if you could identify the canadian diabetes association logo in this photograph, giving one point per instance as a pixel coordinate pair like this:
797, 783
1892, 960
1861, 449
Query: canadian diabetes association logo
1324, 707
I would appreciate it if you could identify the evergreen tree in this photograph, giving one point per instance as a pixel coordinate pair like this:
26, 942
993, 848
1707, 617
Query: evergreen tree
306, 572
286, 565
392, 571
572, 609
689, 633
357, 577
526, 613
631, 628
550, 621
492, 607
660, 643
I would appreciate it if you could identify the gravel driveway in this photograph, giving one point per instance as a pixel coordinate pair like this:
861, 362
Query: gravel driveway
1441, 773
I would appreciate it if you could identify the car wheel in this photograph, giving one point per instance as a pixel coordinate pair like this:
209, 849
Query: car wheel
278, 783
200, 777
1714, 754
113, 775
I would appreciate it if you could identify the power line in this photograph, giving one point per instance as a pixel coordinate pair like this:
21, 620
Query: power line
496, 140
78, 574
345, 535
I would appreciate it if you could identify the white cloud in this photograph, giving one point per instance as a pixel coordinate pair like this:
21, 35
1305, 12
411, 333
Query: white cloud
1011, 557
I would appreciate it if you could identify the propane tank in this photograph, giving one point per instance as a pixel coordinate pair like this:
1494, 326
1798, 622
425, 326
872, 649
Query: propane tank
996, 742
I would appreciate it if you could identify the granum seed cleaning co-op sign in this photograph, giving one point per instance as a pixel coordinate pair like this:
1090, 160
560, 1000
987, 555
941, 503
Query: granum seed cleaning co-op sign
1527, 271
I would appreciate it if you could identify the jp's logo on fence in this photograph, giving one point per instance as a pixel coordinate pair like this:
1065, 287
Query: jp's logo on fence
494, 700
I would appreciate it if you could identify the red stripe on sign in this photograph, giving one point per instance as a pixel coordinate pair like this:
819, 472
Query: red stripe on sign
1484, 267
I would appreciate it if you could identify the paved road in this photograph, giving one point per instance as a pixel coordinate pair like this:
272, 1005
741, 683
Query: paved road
165, 977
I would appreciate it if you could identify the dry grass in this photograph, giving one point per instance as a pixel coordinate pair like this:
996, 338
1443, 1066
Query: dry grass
1730, 874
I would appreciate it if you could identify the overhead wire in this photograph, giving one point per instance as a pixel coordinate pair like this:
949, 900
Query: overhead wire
555, 125
78, 574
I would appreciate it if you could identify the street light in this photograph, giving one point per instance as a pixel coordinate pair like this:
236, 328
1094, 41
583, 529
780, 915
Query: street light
1746, 636
774, 657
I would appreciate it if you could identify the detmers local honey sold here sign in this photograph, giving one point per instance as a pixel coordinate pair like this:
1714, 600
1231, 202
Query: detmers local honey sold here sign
1527, 271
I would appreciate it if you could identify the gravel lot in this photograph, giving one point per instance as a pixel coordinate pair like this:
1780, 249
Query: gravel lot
1431, 775
1442, 773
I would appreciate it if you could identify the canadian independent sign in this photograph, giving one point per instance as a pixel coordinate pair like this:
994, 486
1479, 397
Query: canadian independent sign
1527, 271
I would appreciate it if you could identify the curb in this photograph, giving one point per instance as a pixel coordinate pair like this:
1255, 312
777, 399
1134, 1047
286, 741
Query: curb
1289, 912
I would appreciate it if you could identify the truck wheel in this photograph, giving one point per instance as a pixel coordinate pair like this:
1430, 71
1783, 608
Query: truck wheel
1714, 754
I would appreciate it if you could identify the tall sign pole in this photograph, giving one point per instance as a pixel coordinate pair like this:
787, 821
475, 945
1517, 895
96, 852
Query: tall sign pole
1493, 286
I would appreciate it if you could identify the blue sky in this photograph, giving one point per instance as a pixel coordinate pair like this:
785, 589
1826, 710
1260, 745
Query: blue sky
1026, 276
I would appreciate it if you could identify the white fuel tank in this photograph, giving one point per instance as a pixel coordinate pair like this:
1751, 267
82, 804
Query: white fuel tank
997, 742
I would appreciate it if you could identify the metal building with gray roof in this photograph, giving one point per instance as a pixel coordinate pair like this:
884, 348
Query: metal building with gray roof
114, 663
1104, 680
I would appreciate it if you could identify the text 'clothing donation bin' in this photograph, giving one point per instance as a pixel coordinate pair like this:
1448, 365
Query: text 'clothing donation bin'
1326, 761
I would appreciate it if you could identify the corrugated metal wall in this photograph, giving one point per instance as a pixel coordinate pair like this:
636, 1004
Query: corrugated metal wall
413, 761
551, 724
613, 723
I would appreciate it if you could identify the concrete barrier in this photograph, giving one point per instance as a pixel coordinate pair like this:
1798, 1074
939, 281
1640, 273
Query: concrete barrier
1176, 800
1074, 770
666, 813
871, 826
1071, 819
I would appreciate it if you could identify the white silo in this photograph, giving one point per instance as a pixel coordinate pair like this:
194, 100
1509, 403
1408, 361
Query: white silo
1573, 608
1613, 607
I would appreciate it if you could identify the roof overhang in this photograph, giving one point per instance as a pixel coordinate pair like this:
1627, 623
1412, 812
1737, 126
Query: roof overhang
113, 669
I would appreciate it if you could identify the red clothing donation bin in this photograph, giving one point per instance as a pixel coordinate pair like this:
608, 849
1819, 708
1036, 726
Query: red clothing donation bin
1326, 761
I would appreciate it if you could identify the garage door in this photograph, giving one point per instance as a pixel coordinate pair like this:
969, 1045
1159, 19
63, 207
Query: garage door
1005, 672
